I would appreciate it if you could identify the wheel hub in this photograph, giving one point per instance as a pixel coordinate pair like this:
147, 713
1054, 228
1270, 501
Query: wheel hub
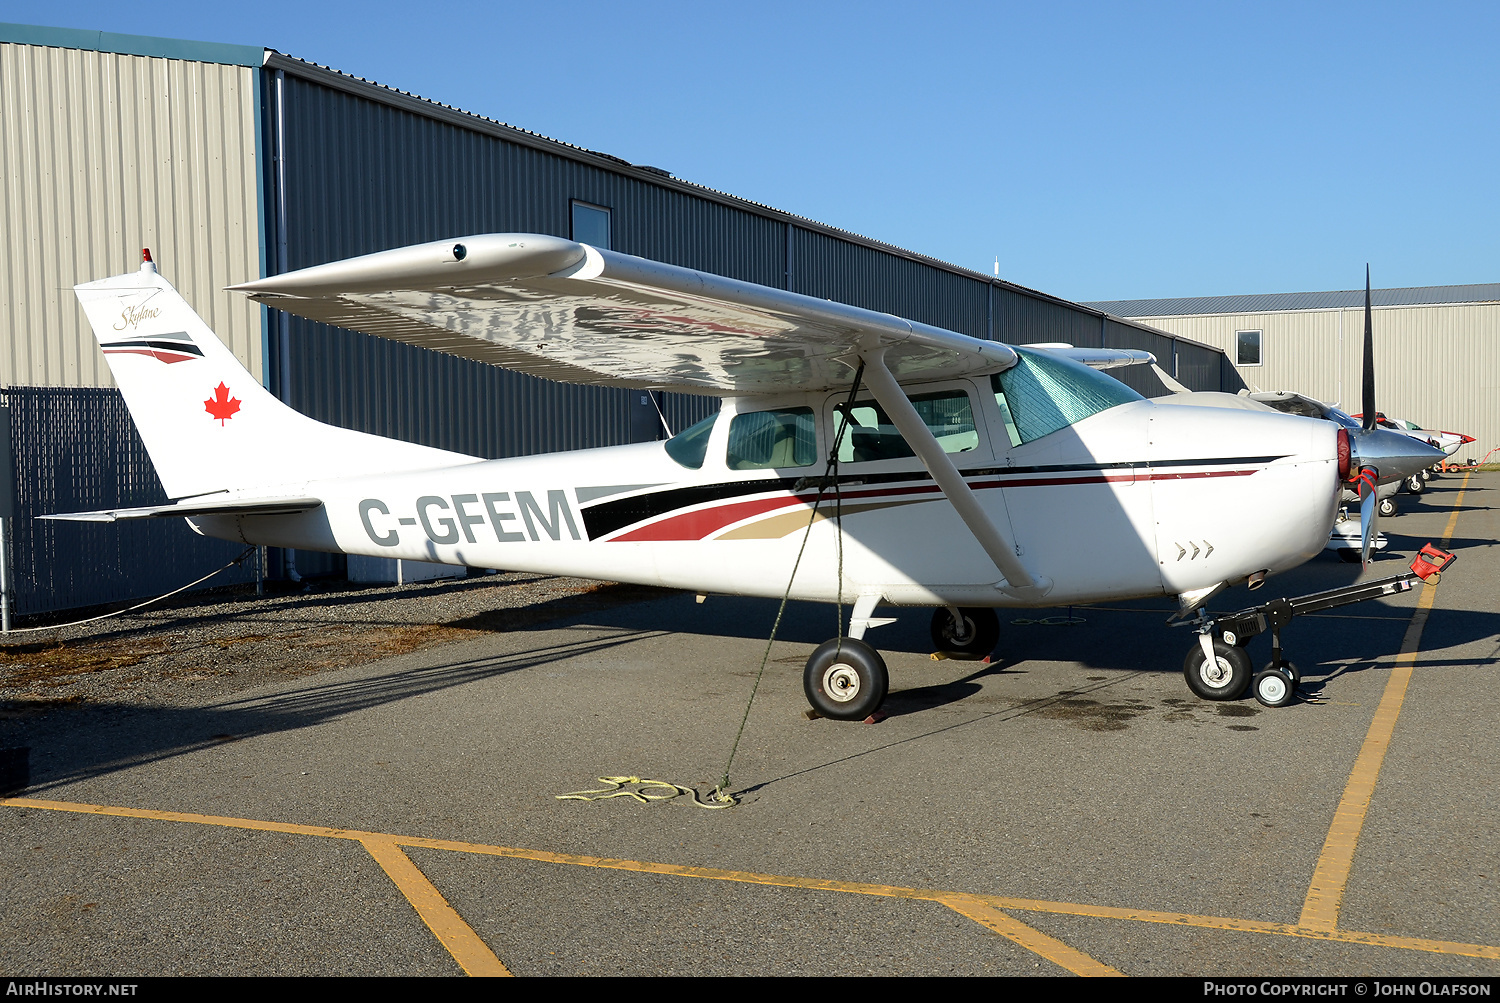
841, 682
961, 631
1216, 672
1273, 687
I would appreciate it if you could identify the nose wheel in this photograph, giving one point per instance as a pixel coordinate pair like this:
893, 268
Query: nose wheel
1217, 667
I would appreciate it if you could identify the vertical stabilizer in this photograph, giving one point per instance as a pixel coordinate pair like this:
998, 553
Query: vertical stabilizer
207, 423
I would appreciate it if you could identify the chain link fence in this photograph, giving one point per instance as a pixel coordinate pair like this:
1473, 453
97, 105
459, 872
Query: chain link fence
75, 449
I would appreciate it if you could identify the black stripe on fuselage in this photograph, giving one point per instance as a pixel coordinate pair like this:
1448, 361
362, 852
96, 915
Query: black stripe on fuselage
609, 516
157, 344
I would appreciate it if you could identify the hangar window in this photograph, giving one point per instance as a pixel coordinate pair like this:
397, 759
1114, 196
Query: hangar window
1247, 348
1042, 393
590, 224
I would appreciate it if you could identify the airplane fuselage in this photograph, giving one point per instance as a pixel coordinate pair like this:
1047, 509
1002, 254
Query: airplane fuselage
1134, 500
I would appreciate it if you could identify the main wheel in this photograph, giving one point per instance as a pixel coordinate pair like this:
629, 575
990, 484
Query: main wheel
1274, 688
1350, 555
973, 636
1386, 507
845, 679
1426, 474
1224, 678
1415, 485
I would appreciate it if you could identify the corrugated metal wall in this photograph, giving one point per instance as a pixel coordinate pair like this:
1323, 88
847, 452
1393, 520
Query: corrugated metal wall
362, 175
1436, 365
75, 449
830, 268
102, 154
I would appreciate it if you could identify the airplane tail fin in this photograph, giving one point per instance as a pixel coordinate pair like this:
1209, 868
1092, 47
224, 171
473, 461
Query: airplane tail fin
207, 423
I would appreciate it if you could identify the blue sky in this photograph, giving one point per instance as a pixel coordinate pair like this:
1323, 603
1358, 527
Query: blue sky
1100, 151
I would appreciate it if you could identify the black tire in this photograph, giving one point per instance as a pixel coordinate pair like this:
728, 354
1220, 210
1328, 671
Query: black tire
1415, 485
978, 638
1350, 556
1227, 679
1274, 688
845, 679
1386, 507
1289, 669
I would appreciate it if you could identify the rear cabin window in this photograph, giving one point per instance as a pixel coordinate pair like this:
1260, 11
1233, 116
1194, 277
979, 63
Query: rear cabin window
762, 440
1042, 393
871, 435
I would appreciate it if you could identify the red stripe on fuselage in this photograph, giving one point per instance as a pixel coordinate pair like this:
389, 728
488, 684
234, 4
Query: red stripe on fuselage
697, 525
157, 354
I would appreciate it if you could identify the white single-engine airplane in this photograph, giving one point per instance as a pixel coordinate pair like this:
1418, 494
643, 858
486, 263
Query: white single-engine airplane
965, 474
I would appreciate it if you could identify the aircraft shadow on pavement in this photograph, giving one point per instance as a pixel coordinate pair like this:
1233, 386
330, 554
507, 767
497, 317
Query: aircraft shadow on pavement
78, 744
1127, 636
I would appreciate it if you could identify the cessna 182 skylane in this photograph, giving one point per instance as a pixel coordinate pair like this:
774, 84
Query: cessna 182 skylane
1074, 487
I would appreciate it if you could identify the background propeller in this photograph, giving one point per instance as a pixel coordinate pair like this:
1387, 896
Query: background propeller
1369, 476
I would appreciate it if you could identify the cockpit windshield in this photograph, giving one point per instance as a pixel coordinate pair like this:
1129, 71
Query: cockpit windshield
1042, 393
690, 446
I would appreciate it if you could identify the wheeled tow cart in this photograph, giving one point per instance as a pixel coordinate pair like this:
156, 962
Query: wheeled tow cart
1219, 668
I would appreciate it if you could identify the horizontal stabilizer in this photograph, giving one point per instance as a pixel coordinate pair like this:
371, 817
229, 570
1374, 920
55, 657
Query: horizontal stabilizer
245, 506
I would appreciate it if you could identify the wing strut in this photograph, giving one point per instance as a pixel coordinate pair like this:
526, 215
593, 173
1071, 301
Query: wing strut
893, 400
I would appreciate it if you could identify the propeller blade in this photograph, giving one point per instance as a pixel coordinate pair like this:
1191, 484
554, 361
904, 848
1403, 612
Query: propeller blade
1368, 395
1368, 511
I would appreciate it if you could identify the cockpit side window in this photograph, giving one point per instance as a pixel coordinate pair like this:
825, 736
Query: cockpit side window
690, 446
1042, 393
871, 435
760, 440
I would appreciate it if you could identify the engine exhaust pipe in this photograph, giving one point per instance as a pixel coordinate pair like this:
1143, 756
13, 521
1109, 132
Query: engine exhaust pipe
1257, 580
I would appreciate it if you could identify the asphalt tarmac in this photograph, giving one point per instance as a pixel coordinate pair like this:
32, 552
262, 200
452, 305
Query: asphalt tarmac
1069, 808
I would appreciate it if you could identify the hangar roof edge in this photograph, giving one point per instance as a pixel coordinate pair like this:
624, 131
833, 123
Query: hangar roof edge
132, 45
1485, 292
271, 59
387, 94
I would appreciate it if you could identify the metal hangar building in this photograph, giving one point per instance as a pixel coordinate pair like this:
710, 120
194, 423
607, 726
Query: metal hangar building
1437, 348
235, 162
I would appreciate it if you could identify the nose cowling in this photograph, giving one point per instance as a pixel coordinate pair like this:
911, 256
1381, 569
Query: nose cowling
1394, 455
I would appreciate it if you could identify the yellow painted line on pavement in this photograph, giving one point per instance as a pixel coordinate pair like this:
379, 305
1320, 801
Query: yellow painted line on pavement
1245, 926
1325, 893
1029, 937
947, 898
472, 954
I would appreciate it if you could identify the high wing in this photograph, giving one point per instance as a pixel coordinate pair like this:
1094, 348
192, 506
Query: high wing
579, 314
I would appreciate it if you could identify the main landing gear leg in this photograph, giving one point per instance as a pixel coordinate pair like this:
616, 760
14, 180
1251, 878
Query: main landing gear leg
1217, 667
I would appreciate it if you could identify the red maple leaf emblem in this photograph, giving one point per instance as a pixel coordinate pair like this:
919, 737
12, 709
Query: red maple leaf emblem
221, 405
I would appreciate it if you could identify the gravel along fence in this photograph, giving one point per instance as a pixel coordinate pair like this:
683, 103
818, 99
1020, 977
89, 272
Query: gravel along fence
208, 644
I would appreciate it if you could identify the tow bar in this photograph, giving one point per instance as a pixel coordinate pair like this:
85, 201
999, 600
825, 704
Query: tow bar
1218, 668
